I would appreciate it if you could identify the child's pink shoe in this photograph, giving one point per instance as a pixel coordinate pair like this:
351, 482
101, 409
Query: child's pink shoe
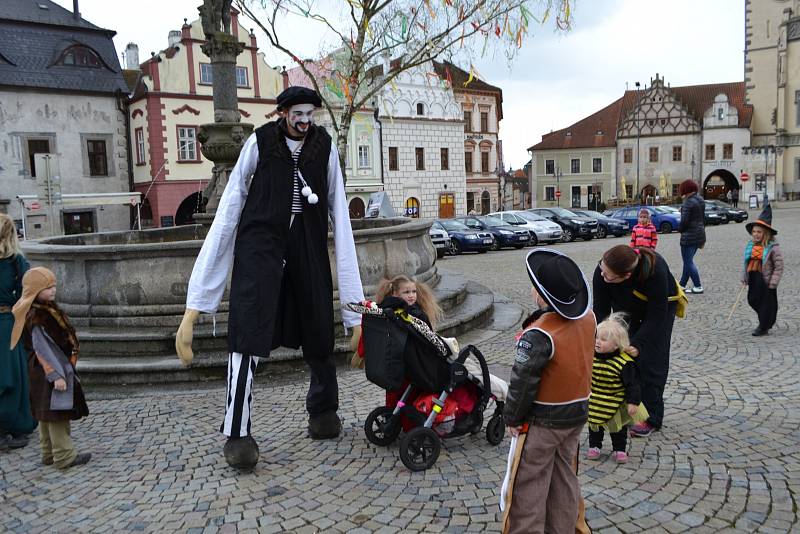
593, 453
621, 457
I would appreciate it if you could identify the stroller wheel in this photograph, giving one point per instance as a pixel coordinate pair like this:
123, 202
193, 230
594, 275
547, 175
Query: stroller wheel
419, 449
495, 430
477, 424
380, 427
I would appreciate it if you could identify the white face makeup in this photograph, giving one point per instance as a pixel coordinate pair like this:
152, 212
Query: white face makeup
299, 119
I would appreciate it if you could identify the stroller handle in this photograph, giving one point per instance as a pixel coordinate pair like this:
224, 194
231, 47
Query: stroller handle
487, 384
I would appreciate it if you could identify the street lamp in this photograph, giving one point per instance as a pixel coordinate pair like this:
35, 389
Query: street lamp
557, 176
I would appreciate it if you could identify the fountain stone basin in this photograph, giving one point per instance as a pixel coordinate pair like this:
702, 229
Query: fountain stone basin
125, 292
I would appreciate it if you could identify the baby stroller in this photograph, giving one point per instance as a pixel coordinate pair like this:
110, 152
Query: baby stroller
402, 353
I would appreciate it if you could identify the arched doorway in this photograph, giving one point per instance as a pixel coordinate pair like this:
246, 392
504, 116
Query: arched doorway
357, 208
718, 183
649, 194
412, 208
486, 203
187, 209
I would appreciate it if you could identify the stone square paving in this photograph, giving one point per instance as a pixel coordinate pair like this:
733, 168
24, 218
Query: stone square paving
727, 459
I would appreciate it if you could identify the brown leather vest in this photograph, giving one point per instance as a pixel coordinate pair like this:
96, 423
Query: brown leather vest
568, 376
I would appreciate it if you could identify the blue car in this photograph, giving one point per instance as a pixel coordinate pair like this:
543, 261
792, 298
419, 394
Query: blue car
463, 239
664, 218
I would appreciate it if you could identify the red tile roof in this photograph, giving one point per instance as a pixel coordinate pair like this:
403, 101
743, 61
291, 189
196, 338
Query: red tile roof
459, 77
596, 130
698, 98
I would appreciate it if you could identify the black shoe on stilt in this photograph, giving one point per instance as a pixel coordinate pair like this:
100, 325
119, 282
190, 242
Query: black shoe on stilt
241, 453
324, 426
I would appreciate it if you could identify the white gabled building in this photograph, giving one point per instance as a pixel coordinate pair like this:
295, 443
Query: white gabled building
423, 144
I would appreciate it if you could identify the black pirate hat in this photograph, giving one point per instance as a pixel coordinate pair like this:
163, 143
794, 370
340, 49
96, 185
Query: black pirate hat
764, 220
298, 95
560, 282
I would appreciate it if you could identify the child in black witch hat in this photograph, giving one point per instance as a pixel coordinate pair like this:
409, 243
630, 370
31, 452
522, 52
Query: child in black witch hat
763, 267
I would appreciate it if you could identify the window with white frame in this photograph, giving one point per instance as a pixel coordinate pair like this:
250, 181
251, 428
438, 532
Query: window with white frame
597, 164
575, 166
140, 146
549, 166
187, 143
206, 74
363, 156
549, 192
241, 77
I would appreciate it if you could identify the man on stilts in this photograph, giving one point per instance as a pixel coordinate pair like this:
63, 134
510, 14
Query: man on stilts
273, 229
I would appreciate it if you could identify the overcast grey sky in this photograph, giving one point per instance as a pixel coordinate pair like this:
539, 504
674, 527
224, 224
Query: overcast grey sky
556, 80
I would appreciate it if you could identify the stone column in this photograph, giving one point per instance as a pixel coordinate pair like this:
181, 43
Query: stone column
222, 140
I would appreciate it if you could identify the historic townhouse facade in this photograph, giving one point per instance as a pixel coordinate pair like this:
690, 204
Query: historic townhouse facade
423, 139
172, 99
772, 59
482, 109
652, 138
576, 166
61, 102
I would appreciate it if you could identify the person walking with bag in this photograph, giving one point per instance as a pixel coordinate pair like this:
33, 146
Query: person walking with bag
693, 233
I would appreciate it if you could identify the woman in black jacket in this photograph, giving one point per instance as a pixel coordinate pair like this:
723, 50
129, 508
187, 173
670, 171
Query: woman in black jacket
693, 233
650, 315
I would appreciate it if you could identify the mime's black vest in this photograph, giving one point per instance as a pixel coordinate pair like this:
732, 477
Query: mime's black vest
261, 238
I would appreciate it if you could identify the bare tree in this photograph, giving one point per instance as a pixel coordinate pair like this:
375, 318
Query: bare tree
409, 32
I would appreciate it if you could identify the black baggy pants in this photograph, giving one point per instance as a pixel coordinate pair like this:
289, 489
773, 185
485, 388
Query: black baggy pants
619, 440
315, 336
762, 299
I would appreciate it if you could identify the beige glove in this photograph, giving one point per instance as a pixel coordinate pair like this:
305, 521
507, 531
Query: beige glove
183, 339
357, 362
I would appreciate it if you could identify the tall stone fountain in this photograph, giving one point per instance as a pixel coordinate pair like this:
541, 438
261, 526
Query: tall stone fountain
126, 291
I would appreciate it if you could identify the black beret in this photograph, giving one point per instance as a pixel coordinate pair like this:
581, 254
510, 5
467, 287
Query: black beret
298, 95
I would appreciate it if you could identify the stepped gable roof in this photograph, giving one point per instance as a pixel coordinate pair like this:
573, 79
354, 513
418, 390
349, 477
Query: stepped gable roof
34, 41
698, 98
596, 130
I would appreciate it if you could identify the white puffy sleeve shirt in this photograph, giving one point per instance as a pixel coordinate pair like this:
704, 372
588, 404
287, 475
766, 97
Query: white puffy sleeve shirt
210, 273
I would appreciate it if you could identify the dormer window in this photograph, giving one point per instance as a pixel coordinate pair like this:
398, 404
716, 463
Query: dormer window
80, 56
720, 113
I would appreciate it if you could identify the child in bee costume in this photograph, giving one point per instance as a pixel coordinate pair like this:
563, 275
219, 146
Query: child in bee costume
273, 230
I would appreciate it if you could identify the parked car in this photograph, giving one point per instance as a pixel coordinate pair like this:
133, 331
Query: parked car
463, 239
732, 214
572, 224
541, 230
665, 218
439, 238
606, 225
504, 234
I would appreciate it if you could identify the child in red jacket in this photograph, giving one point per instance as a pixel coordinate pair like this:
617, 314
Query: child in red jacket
644, 234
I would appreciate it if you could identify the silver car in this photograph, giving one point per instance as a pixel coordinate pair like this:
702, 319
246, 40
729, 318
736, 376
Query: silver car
541, 229
440, 239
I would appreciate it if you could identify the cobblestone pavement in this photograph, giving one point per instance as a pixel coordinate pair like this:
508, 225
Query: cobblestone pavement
727, 459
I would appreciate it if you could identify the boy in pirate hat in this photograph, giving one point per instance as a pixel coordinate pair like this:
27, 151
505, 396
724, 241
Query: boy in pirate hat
49, 339
548, 399
273, 231
763, 267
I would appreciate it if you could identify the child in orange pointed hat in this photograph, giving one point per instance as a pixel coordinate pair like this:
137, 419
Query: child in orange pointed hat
763, 268
52, 347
